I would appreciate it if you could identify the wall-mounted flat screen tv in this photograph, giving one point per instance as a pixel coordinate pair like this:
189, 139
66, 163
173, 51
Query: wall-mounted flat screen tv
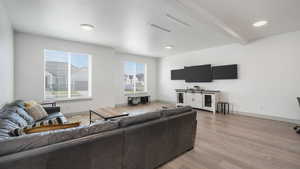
200, 73
177, 74
225, 72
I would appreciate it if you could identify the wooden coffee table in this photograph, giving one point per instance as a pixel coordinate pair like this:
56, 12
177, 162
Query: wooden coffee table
106, 114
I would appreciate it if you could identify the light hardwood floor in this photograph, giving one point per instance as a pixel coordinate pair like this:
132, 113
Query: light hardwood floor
235, 142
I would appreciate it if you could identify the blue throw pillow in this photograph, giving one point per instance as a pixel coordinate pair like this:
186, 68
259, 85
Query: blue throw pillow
25, 115
18, 103
12, 115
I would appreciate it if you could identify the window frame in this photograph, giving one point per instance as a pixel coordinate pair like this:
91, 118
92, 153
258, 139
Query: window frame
134, 84
69, 96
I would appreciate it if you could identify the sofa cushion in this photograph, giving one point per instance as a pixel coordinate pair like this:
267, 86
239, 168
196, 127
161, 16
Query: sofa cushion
48, 122
35, 140
37, 112
5, 127
100, 126
178, 110
11, 114
21, 143
54, 115
131, 120
30, 103
81, 131
57, 136
18, 103
4, 133
25, 115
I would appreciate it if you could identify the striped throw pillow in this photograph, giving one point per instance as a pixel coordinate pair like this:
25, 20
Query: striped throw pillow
20, 131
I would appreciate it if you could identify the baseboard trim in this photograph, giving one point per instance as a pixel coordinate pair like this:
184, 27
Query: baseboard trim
268, 117
121, 104
125, 104
166, 102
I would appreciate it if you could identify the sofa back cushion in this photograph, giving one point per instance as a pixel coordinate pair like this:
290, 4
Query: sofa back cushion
131, 120
101, 126
21, 143
30, 141
81, 131
175, 111
57, 136
10, 113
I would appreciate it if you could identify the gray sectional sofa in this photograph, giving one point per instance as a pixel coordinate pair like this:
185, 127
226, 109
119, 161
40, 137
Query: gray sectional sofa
143, 141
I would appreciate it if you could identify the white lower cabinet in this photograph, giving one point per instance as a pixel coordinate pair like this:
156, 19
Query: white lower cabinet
205, 101
198, 101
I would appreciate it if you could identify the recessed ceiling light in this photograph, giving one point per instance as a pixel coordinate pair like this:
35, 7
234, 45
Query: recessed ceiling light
260, 23
169, 47
87, 27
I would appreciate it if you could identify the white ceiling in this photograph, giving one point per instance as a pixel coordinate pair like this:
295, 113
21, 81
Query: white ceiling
125, 24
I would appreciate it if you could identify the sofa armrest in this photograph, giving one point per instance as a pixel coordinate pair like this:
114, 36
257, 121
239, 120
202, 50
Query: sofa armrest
50, 110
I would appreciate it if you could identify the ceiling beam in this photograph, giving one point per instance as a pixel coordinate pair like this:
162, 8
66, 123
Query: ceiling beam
196, 11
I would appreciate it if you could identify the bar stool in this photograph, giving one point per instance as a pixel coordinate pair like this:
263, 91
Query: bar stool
223, 107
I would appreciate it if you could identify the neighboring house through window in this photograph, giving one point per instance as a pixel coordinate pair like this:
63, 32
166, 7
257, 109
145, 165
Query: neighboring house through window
135, 78
67, 75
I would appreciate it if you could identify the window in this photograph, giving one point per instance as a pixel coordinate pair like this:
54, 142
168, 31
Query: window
67, 75
135, 77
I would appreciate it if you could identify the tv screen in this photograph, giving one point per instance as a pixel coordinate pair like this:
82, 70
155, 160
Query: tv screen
177, 74
225, 72
200, 73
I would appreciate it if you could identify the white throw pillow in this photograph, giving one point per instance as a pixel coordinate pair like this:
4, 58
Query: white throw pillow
37, 112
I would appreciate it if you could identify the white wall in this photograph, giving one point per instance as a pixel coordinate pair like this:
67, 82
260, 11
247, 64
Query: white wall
107, 71
6, 58
269, 79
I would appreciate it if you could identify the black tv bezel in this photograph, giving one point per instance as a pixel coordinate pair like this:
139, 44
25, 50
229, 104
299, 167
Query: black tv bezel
190, 79
224, 77
179, 70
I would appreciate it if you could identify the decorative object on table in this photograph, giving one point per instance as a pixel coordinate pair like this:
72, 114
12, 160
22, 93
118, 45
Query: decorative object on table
137, 99
223, 107
297, 128
106, 114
